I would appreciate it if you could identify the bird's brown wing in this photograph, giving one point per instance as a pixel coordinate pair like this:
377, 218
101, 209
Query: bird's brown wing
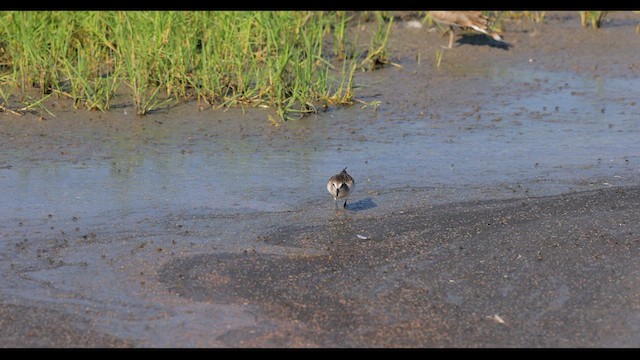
466, 19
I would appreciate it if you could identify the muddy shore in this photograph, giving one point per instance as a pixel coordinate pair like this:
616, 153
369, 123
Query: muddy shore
497, 194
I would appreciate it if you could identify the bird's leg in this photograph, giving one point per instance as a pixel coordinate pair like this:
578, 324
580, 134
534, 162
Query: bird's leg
451, 37
345, 204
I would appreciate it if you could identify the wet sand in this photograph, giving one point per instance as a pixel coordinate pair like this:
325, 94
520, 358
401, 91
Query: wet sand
498, 195
551, 271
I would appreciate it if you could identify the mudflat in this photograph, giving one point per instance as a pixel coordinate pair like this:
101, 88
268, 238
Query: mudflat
496, 205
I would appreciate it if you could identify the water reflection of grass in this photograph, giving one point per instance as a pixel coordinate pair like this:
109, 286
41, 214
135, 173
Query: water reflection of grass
292, 61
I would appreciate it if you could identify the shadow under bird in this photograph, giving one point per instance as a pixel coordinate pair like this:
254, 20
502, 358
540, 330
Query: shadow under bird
464, 19
341, 186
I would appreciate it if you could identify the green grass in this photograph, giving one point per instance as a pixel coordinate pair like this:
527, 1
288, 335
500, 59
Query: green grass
439, 54
292, 61
593, 18
535, 16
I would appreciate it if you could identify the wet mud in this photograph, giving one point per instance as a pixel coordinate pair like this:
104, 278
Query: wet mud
496, 205
556, 271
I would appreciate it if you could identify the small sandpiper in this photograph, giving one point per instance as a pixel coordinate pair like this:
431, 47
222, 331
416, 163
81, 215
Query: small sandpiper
340, 186
464, 19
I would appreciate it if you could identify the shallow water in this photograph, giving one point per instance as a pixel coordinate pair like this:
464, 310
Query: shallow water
570, 128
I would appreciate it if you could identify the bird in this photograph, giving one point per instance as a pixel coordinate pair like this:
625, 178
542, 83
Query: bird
341, 186
464, 19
